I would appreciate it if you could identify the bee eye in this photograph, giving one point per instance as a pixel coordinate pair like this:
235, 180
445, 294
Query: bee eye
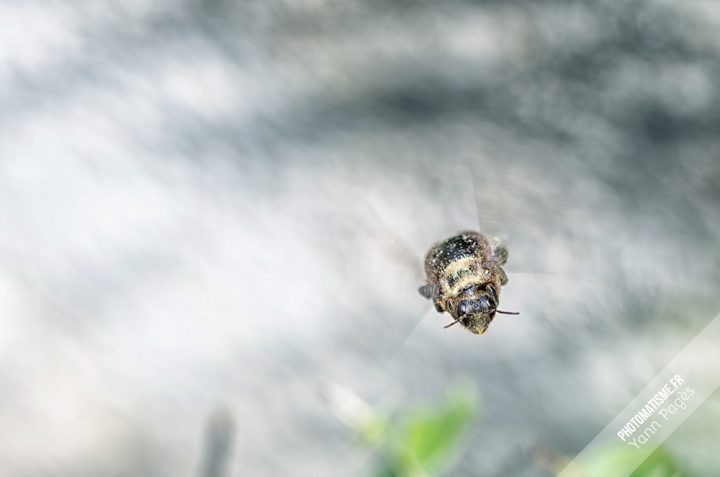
463, 308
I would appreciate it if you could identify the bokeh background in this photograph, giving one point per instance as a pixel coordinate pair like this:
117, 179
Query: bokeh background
213, 212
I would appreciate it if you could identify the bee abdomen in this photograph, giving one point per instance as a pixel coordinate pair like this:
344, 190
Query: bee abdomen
465, 245
464, 273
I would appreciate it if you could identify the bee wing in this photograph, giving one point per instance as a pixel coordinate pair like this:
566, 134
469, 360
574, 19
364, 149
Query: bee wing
388, 270
501, 197
391, 242
512, 210
547, 266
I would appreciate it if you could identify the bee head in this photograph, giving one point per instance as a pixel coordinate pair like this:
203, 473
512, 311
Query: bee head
475, 309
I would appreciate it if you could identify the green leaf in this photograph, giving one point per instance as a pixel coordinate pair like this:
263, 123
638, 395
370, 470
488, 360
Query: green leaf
432, 437
660, 464
620, 461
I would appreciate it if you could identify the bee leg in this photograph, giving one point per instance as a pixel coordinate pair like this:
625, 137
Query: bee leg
425, 290
503, 276
501, 254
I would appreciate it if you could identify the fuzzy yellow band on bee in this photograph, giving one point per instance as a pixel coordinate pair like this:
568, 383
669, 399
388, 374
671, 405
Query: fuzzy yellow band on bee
463, 273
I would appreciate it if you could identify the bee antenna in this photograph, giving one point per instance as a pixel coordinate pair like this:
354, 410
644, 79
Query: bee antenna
507, 312
448, 326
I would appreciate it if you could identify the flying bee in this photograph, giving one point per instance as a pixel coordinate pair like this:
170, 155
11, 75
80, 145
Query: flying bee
464, 276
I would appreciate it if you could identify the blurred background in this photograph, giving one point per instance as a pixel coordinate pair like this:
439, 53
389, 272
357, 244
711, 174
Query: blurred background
213, 215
